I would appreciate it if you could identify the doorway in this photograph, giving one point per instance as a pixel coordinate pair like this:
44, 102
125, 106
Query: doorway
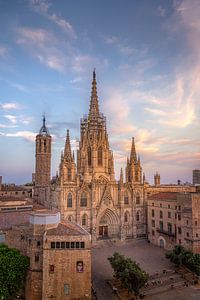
103, 231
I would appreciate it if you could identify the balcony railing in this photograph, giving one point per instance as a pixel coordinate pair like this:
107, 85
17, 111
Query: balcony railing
165, 232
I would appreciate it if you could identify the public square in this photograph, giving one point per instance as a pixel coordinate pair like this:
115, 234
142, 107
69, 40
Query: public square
151, 259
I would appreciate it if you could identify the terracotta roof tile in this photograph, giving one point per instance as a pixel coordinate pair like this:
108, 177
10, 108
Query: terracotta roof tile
164, 196
67, 228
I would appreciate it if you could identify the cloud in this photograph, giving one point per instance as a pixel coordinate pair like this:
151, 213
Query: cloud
3, 51
160, 11
110, 39
27, 135
122, 46
76, 80
43, 7
10, 105
18, 119
19, 87
7, 126
154, 111
43, 45
62, 23
11, 118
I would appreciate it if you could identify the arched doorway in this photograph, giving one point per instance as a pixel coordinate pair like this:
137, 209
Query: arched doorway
161, 242
108, 225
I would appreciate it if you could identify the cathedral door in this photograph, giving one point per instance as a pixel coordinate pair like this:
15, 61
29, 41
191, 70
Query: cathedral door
103, 231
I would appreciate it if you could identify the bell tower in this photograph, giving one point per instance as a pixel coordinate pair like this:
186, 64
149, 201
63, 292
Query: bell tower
43, 157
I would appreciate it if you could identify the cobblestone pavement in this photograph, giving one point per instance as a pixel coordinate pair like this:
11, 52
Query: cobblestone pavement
189, 293
151, 258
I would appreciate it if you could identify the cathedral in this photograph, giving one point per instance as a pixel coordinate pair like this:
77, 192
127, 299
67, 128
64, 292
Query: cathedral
85, 190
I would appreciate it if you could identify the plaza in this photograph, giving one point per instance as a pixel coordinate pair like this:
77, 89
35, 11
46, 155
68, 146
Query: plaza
151, 258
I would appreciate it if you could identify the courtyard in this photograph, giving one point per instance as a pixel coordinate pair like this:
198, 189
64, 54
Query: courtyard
151, 259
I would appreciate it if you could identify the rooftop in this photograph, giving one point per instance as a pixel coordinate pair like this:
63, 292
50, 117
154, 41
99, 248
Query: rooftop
67, 228
164, 196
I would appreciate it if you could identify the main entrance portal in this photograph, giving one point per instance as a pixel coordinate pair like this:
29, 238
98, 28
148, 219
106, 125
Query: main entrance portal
108, 225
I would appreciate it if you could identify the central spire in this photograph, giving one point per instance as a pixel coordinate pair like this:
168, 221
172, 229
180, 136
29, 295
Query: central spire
94, 105
133, 157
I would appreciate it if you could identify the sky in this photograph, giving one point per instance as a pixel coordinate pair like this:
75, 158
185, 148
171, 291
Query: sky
147, 60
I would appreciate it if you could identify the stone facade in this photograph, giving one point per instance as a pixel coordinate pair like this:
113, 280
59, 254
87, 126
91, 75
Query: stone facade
174, 218
59, 255
86, 191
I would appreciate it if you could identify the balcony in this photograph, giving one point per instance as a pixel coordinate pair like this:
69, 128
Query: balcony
165, 232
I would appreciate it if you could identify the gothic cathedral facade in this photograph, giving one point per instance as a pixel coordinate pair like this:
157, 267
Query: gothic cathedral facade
85, 190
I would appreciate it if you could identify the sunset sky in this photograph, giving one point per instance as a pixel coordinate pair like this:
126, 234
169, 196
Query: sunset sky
147, 59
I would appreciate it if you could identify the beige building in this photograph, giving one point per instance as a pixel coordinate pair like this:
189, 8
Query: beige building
174, 218
59, 256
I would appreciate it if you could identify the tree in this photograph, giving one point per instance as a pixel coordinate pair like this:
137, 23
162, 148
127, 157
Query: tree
132, 277
13, 266
181, 256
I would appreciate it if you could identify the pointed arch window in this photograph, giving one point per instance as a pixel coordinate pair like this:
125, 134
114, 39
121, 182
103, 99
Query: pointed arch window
100, 156
69, 174
83, 199
136, 176
138, 216
126, 200
89, 156
137, 199
126, 217
84, 220
69, 200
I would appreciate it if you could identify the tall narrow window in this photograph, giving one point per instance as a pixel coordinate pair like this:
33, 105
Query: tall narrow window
45, 146
89, 157
40, 145
126, 216
138, 216
69, 200
69, 174
136, 176
100, 156
83, 199
137, 199
66, 289
84, 220
126, 198
161, 225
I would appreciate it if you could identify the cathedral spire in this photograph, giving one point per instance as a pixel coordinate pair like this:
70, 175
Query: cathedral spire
94, 105
67, 151
133, 157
